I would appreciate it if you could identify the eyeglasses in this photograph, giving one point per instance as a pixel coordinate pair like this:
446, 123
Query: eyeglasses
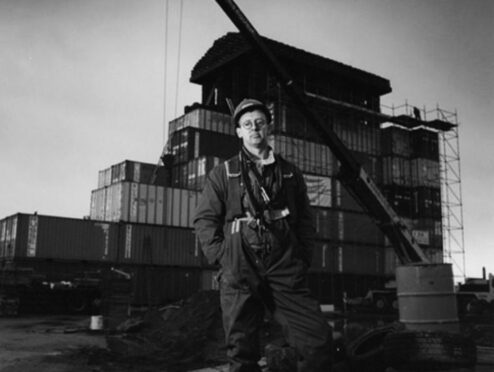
249, 124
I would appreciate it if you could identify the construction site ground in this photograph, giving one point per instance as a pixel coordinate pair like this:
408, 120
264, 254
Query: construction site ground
65, 344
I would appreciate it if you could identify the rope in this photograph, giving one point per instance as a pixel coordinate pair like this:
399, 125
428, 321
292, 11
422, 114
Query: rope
179, 48
165, 126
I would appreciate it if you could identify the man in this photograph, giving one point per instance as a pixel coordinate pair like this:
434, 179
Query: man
254, 219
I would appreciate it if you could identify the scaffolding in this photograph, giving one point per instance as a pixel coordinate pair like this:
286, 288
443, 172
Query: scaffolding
451, 192
450, 174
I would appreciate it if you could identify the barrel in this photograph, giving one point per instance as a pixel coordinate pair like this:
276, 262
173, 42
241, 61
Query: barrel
426, 297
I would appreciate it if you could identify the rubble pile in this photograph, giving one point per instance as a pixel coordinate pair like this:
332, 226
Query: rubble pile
184, 333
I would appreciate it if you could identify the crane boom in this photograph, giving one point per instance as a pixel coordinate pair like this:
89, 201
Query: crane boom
353, 176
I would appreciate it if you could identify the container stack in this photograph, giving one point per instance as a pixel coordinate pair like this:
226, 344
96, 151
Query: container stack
200, 139
412, 184
63, 249
349, 244
141, 215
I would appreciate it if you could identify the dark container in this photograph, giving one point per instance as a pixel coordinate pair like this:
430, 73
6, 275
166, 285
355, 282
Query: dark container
342, 199
61, 238
201, 117
396, 171
9, 235
396, 141
360, 259
399, 198
371, 164
425, 172
426, 202
191, 143
134, 171
425, 144
158, 245
324, 257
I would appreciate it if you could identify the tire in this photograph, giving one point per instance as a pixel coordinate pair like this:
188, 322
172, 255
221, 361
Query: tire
366, 352
77, 303
380, 304
428, 350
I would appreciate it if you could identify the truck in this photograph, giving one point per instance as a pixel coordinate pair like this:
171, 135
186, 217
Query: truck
476, 295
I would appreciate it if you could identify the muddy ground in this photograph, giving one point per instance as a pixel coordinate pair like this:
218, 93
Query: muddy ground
65, 344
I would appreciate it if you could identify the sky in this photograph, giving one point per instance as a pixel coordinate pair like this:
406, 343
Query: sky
87, 84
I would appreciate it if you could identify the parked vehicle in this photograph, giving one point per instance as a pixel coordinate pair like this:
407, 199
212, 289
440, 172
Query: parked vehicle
476, 295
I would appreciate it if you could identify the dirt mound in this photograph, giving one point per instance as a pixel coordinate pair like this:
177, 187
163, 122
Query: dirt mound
188, 332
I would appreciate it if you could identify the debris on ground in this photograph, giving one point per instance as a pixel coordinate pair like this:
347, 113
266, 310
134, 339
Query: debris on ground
188, 332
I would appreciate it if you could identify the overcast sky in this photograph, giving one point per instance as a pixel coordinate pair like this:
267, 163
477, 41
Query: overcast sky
82, 84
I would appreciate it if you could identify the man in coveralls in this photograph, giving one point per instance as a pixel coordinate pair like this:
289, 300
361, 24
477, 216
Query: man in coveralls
254, 219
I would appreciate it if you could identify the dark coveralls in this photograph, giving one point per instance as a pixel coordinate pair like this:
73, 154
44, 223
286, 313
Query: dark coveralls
263, 264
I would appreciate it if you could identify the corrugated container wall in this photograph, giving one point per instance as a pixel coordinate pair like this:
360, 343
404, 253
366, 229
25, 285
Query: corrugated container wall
140, 203
192, 175
158, 245
425, 144
64, 238
39, 237
355, 259
192, 143
396, 141
310, 157
9, 232
344, 226
133, 171
202, 118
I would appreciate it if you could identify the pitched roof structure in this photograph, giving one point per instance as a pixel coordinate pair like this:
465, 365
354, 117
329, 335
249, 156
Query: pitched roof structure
233, 45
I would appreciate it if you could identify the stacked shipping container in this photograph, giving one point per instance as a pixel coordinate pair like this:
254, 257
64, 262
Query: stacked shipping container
411, 182
40, 237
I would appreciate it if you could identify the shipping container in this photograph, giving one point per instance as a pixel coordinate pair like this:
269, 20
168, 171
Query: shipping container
358, 259
69, 239
426, 202
192, 143
310, 157
435, 255
356, 134
396, 141
425, 144
60, 238
391, 261
141, 203
192, 175
342, 199
433, 226
425, 172
203, 118
158, 245
345, 226
9, 242
324, 257
198, 169
396, 171
400, 199
427, 232
318, 190
139, 172
104, 177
